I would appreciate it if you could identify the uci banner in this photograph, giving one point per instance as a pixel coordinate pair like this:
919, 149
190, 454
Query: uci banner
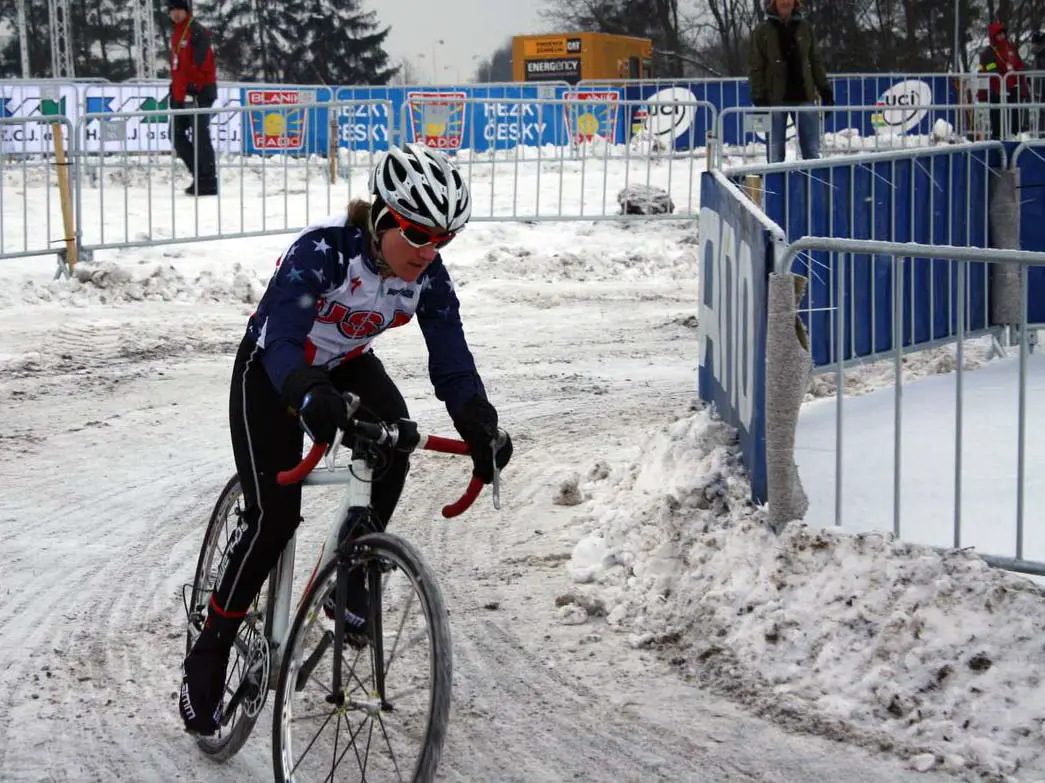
735, 260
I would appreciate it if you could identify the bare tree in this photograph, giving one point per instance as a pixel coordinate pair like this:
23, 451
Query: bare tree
498, 66
658, 20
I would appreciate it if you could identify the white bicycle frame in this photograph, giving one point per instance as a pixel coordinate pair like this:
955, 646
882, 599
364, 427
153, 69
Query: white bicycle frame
357, 475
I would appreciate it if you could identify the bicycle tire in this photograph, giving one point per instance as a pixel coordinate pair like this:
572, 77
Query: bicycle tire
441, 665
220, 747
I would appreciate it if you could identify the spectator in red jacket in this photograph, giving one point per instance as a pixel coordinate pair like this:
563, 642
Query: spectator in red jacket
1000, 61
193, 85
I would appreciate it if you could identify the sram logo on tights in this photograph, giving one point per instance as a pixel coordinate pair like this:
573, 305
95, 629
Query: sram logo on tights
357, 324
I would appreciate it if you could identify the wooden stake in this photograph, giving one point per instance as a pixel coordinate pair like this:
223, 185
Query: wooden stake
65, 193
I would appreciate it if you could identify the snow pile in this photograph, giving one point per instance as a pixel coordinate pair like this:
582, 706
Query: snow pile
109, 283
933, 656
871, 376
662, 261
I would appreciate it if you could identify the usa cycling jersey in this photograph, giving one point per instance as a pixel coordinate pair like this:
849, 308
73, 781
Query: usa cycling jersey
327, 301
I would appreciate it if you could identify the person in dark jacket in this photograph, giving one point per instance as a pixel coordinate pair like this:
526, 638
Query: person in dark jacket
1000, 61
784, 69
193, 85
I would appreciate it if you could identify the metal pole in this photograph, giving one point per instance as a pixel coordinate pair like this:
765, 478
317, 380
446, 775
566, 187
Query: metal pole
23, 42
957, 30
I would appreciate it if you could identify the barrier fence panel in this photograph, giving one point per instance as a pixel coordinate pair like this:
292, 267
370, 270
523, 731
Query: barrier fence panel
936, 196
839, 130
556, 159
50, 99
126, 199
31, 204
903, 99
949, 467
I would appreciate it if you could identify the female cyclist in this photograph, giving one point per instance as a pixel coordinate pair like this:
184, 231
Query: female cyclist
340, 283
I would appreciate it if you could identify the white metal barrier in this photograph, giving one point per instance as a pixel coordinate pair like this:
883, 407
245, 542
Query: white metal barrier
533, 182
36, 202
127, 188
893, 131
125, 198
979, 445
935, 205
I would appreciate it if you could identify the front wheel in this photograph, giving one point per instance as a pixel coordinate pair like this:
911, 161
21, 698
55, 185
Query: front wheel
388, 720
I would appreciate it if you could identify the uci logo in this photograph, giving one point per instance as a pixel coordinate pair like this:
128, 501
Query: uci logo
903, 107
670, 114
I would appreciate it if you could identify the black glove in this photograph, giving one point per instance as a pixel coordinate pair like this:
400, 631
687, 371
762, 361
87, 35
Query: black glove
476, 421
309, 393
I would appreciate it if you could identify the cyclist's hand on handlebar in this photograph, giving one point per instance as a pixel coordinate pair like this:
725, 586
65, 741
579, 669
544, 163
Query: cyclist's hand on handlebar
318, 404
476, 422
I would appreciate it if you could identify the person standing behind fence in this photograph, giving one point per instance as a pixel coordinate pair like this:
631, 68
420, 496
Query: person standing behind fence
999, 61
1037, 53
194, 77
784, 69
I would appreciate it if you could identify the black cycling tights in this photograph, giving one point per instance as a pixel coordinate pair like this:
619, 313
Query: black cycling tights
267, 439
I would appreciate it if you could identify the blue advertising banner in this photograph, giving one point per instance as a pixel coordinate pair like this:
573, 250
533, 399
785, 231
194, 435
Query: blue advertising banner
281, 124
474, 117
483, 117
903, 103
734, 261
668, 116
885, 201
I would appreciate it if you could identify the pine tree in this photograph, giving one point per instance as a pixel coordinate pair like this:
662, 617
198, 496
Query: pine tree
236, 36
337, 43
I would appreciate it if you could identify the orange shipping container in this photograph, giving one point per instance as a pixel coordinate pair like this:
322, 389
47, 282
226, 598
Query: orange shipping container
570, 57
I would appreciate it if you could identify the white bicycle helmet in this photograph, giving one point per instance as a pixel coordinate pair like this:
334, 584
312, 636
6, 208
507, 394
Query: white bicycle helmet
423, 186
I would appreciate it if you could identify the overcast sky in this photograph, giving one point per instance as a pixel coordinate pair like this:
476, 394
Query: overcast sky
470, 30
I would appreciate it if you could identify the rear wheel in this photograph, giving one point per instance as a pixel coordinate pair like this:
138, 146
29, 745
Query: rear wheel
388, 721
247, 677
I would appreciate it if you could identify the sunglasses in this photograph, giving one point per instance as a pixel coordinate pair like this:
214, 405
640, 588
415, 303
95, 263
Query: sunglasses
420, 236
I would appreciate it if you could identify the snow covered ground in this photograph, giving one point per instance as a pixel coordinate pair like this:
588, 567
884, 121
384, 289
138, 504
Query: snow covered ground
626, 616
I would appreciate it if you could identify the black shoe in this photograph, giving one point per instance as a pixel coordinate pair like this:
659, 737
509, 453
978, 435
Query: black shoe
203, 691
357, 610
204, 189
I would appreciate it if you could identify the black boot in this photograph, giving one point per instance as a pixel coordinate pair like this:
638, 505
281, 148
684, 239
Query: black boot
205, 188
203, 683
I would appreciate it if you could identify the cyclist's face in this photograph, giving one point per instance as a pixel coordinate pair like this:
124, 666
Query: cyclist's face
406, 261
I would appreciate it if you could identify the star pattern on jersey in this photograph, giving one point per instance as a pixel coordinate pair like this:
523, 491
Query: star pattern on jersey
295, 274
321, 245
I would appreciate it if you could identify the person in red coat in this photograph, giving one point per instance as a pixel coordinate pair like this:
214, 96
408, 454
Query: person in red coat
1000, 61
193, 85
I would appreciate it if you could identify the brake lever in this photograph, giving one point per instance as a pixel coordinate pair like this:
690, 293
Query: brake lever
495, 446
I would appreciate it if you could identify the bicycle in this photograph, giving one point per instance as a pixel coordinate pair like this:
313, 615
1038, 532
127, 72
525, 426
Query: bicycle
269, 653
